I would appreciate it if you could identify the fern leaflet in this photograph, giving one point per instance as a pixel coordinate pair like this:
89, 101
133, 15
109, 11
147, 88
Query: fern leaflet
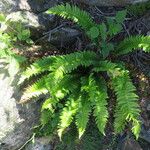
133, 43
35, 90
84, 110
98, 98
74, 13
38, 67
127, 108
66, 117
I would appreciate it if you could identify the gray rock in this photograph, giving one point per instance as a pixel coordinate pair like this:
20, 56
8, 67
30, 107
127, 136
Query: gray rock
36, 6
148, 107
16, 121
31, 13
6, 6
110, 2
39, 21
40, 144
62, 36
129, 144
145, 134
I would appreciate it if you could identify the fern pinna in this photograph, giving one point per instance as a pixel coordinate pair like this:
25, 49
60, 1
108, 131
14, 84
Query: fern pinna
74, 94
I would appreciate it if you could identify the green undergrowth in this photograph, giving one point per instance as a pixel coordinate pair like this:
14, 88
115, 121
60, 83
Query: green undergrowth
13, 33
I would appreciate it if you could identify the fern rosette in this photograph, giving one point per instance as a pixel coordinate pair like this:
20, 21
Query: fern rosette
73, 94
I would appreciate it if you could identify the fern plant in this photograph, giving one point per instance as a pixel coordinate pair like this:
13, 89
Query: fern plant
76, 83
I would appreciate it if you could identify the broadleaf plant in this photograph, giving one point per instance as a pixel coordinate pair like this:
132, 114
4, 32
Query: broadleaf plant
74, 94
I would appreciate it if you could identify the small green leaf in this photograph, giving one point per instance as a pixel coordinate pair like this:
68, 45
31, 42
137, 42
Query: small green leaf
114, 28
45, 116
19, 36
106, 48
60, 105
24, 35
20, 59
47, 104
117, 29
29, 41
103, 31
120, 16
2, 18
94, 32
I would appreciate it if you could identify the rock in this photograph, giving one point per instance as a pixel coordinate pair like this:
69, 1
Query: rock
62, 36
38, 21
16, 121
129, 144
36, 6
6, 6
148, 107
40, 144
31, 13
110, 2
145, 134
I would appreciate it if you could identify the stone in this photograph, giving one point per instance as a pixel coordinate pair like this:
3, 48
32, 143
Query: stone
148, 107
145, 134
6, 6
110, 2
63, 36
39, 21
36, 6
31, 13
42, 143
16, 121
129, 144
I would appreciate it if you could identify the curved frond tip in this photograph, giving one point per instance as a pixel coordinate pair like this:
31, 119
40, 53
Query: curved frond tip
133, 43
74, 13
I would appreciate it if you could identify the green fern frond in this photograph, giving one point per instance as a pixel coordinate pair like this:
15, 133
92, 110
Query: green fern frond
47, 105
70, 83
98, 98
74, 13
45, 117
104, 66
83, 113
35, 90
133, 43
127, 109
59, 89
112, 69
66, 117
38, 67
67, 63
70, 62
